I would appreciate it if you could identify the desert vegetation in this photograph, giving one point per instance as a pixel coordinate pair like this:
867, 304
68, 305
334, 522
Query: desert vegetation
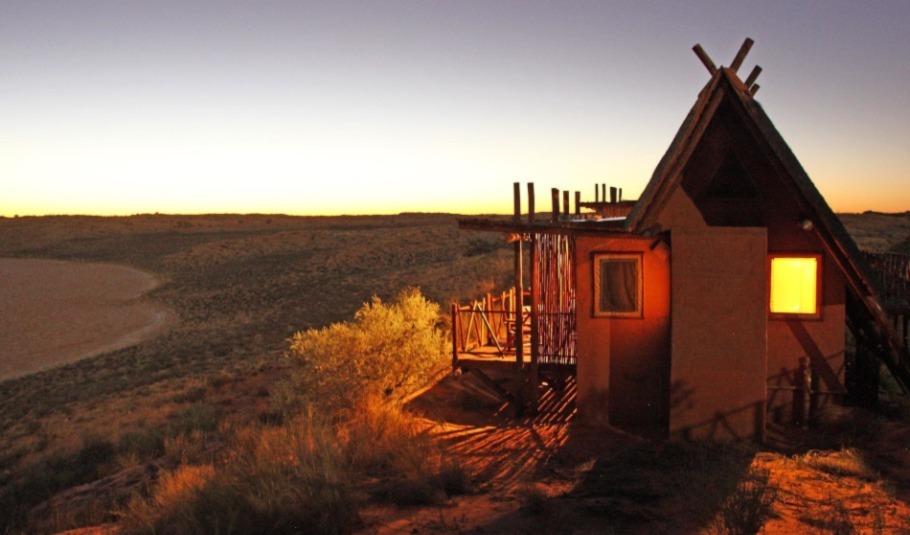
282, 401
241, 287
341, 439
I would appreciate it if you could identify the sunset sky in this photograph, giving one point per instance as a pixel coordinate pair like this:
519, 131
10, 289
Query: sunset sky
122, 107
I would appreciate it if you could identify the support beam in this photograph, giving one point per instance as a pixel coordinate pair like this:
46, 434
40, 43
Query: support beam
565, 202
577, 203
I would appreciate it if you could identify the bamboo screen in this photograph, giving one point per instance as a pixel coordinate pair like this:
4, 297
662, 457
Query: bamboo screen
555, 299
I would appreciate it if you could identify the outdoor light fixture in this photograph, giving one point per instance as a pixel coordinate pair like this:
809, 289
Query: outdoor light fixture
806, 224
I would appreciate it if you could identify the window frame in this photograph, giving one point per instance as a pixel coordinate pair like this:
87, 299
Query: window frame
817, 315
596, 258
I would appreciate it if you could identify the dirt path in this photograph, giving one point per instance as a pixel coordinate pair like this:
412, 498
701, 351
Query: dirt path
56, 312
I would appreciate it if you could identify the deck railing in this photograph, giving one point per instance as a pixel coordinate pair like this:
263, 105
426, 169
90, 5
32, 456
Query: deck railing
489, 325
488, 322
892, 272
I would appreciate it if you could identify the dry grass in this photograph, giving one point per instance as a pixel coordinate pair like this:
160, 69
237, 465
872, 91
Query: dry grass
200, 395
241, 286
875, 231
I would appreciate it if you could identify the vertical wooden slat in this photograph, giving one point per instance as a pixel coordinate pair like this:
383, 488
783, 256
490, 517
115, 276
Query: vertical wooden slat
612, 195
565, 202
577, 203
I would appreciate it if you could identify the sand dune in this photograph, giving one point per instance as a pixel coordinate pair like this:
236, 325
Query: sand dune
54, 312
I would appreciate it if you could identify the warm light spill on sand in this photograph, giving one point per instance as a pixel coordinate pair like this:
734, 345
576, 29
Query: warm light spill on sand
58, 312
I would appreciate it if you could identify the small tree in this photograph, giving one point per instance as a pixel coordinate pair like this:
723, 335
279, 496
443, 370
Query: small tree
387, 352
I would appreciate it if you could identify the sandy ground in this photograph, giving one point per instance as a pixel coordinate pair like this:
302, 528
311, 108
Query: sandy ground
56, 312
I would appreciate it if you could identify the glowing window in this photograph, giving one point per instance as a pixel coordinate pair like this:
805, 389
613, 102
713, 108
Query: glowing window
618, 285
795, 285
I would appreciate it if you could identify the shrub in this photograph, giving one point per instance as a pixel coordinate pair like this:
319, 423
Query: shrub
388, 351
750, 505
290, 479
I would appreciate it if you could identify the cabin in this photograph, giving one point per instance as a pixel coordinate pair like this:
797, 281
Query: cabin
717, 304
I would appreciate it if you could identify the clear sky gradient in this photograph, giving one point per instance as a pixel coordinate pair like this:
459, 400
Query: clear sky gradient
121, 107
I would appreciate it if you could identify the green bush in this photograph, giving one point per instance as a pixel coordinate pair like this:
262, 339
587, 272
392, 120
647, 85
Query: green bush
387, 351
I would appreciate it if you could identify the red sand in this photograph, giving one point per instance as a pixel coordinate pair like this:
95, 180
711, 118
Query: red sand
56, 312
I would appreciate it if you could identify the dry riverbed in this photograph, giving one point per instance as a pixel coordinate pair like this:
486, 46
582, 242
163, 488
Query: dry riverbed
57, 312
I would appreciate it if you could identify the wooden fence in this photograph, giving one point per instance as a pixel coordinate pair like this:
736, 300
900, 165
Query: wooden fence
892, 273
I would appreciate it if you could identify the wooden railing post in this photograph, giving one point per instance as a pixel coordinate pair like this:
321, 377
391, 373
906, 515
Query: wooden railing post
455, 320
519, 283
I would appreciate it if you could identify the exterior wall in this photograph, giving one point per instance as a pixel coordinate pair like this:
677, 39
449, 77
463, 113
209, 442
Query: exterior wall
821, 341
623, 364
778, 210
718, 338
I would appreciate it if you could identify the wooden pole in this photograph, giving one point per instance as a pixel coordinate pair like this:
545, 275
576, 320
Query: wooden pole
516, 194
535, 334
705, 59
530, 202
454, 335
577, 203
554, 193
596, 193
603, 193
565, 202
741, 55
753, 76
519, 284
612, 195
620, 194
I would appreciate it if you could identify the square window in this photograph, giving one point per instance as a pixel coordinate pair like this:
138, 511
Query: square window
794, 287
618, 285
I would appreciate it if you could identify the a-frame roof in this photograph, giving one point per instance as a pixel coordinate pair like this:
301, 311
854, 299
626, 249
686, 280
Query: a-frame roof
725, 85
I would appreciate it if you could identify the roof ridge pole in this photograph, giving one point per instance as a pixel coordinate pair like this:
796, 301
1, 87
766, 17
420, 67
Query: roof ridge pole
705, 58
741, 55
